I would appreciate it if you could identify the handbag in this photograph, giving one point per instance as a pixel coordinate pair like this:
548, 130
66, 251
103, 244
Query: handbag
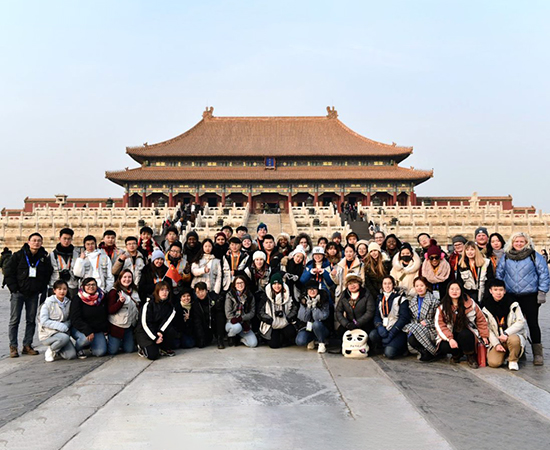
481, 354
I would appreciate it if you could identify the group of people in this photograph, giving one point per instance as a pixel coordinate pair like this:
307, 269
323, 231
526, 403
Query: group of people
480, 297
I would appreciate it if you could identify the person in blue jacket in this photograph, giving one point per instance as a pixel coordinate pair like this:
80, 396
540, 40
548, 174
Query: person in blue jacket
318, 269
391, 315
525, 274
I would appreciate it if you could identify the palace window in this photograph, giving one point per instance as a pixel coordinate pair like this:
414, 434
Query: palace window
212, 163
327, 163
378, 163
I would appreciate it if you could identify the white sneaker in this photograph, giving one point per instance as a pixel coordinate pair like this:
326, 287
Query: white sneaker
322, 348
512, 365
49, 356
311, 345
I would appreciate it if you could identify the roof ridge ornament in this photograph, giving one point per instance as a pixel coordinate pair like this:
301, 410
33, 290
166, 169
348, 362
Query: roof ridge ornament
208, 113
332, 113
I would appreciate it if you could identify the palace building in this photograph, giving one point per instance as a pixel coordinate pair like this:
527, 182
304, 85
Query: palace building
269, 160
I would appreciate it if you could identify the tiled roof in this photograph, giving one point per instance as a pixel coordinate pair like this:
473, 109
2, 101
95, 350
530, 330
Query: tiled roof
343, 173
269, 136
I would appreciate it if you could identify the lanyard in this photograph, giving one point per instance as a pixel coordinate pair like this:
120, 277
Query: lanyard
235, 262
385, 307
61, 262
29, 263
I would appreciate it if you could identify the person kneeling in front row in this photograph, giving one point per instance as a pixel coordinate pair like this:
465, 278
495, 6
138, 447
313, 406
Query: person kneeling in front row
506, 327
314, 309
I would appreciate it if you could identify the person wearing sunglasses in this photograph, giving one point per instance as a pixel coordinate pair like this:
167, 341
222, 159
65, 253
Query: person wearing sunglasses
436, 269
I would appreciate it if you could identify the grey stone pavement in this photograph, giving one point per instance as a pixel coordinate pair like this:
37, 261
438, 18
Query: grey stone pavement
241, 398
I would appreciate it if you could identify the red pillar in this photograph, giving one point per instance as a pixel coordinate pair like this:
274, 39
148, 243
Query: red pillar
394, 197
170, 200
413, 198
289, 200
125, 199
368, 198
250, 207
223, 198
197, 200
316, 198
341, 201
143, 199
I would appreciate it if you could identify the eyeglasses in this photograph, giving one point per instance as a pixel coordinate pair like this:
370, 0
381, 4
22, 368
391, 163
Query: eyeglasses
91, 285
435, 258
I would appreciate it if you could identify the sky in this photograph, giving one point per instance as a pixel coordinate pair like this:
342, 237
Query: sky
465, 83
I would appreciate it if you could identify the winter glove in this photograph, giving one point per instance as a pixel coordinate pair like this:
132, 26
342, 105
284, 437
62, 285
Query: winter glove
289, 276
246, 327
351, 326
235, 320
268, 320
382, 332
541, 297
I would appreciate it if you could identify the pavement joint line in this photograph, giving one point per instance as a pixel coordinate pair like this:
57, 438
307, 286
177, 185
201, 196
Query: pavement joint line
124, 386
340, 394
508, 390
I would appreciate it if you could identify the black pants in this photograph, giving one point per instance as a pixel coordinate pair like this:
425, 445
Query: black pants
152, 351
415, 343
284, 337
466, 341
530, 308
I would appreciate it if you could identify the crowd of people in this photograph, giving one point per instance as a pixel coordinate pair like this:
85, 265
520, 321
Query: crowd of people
479, 299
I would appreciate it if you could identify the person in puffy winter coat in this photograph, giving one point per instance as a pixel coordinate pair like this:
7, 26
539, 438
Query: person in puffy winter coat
240, 308
356, 306
405, 268
314, 309
391, 315
525, 274
96, 264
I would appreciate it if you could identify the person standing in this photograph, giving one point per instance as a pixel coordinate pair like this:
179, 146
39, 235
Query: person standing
63, 260
96, 264
26, 275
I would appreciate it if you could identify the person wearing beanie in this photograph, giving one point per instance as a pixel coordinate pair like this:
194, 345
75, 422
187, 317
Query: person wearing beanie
277, 313
261, 231
337, 239
458, 248
151, 274
305, 241
362, 249
248, 245
474, 272
171, 235
207, 268
375, 269
391, 315
221, 246
293, 265
356, 306
283, 244
405, 268
191, 247
352, 238
481, 236
258, 272
318, 270
314, 310
436, 269
350, 263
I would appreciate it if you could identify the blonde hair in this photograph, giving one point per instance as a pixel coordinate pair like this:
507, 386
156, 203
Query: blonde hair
375, 267
479, 260
508, 246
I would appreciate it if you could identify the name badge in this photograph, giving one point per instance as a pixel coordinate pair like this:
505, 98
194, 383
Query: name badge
32, 272
309, 326
385, 321
436, 295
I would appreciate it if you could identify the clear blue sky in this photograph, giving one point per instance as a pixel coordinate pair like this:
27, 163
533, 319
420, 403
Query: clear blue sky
466, 83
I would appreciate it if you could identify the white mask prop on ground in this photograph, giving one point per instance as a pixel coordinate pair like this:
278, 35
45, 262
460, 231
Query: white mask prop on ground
354, 344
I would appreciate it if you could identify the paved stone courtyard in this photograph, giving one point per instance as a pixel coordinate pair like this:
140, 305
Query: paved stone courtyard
241, 398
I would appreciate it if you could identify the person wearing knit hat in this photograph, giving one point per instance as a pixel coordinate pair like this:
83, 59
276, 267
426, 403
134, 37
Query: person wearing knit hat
355, 308
352, 238
277, 312
259, 271
221, 246
157, 254
376, 268
314, 309
374, 246
283, 244
261, 231
436, 269
151, 274
318, 269
405, 268
362, 249
248, 245
458, 249
337, 239
482, 239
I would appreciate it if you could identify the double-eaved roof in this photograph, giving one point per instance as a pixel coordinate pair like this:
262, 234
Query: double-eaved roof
245, 137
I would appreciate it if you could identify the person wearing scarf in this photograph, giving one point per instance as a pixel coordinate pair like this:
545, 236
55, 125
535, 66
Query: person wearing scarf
89, 321
123, 304
206, 268
63, 259
525, 274
221, 247
474, 271
495, 249
192, 246
240, 308
108, 245
314, 309
179, 272
436, 269
350, 263
293, 266
152, 273
146, 243
391, 315
356, 306
506, 327
277, 312
259, 272
405, 268
184, 320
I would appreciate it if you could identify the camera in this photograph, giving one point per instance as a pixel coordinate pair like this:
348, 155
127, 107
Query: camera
65, 275
279, 314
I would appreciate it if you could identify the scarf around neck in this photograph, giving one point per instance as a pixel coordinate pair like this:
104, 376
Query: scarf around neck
514, 255
443, 272
91, 300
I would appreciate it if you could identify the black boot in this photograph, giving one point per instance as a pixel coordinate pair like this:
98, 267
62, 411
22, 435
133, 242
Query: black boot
221, 345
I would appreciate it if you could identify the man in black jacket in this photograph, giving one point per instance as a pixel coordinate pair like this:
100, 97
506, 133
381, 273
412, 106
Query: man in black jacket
27, 275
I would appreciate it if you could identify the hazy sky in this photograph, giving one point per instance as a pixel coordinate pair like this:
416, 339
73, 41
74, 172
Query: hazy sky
466, 83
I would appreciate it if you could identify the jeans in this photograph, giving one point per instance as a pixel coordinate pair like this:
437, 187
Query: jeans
248, 338
61, 344
184, 341
127, 342
319, 333
17, 301
396, 347
98, 344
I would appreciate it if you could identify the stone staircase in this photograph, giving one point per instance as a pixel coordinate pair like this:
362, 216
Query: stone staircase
361, 228
273, 222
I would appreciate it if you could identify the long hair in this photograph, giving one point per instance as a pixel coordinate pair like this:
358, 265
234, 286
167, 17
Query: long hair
490, 247
479, 260
158, 287
375, 267
460, 321
118, 285
200, 253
